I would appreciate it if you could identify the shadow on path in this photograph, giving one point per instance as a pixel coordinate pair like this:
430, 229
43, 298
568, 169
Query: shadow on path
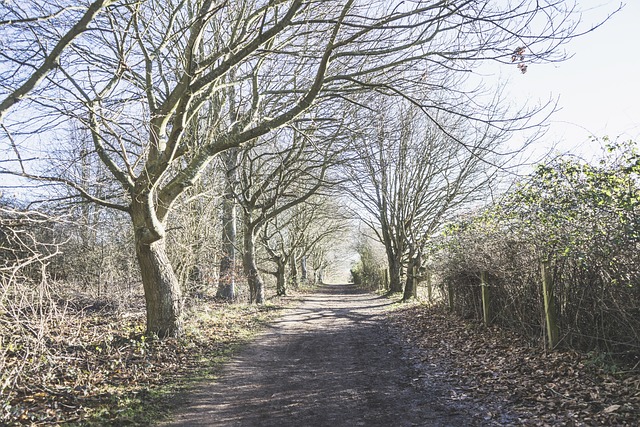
330, 362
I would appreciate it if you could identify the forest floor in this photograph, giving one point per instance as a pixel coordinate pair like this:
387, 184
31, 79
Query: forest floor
514, 381
335, 357
345, 357
83, 361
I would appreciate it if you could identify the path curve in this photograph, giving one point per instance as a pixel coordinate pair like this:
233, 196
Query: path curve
332, 361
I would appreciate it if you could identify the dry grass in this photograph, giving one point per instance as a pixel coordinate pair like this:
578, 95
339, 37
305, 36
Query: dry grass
78, 360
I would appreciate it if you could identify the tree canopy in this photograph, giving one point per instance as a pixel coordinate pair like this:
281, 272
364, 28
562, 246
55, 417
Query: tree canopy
163, 87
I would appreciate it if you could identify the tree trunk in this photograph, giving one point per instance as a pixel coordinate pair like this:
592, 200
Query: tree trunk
394, 255
161, 290
227, 276
411, 285
281, 283
294, 271
161, 287
256, 285
549, 305
395, 273
304, 274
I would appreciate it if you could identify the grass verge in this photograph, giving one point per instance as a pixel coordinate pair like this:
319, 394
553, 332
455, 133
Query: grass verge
98, 368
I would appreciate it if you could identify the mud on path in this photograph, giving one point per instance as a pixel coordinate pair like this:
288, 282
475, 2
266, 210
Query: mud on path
332, 361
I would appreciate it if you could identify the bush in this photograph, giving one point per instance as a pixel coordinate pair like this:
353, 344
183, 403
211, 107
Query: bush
585, 219
368, 272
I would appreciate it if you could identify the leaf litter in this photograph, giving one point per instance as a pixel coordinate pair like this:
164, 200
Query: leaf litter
99, 368
516, 381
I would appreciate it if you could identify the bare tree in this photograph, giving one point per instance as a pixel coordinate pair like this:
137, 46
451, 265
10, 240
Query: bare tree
28, 63
279, 244
275, 177
320, 224
301, 232
143, 72
413, 174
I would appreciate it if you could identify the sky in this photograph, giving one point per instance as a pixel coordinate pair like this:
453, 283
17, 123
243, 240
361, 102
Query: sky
598, 88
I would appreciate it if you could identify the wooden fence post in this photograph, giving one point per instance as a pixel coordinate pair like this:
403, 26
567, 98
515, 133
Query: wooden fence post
428, 278
549, 305
486, 301
450, 292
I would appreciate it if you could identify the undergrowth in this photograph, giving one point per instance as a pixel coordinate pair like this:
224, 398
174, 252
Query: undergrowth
85, 367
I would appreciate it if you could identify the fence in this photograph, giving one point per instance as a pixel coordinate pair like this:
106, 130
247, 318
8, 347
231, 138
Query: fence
550, 303
487, 304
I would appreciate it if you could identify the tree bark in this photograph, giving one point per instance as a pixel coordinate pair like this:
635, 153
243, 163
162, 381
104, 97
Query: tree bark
394, 249
226, 283
281, 282
304, 273
161, 289
256, 285
294, 271
410, 287
395, 273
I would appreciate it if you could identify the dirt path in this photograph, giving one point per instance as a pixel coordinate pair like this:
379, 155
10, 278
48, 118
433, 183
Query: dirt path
332, 361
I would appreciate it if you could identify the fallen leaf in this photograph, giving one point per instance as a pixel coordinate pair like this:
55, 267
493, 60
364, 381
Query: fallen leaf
611, 408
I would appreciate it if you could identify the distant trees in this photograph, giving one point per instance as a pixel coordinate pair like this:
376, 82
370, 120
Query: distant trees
303, 233
369, 270
412, 173
277, 175
145, 76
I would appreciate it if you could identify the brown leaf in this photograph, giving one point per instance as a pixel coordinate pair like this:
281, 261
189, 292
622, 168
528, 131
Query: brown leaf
611, 408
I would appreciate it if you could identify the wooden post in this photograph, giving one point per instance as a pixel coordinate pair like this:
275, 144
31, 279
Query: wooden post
486, 301
549, 305
428, 278
386, 279
450, 292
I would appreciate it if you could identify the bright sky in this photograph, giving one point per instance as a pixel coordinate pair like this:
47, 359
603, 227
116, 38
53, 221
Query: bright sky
598, 89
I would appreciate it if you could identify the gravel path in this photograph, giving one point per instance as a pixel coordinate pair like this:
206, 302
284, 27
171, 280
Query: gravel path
332, 361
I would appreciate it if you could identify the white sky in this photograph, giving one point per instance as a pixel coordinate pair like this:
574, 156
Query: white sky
598, 89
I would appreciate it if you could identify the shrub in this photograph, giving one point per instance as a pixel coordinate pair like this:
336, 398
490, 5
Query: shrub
585, 219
